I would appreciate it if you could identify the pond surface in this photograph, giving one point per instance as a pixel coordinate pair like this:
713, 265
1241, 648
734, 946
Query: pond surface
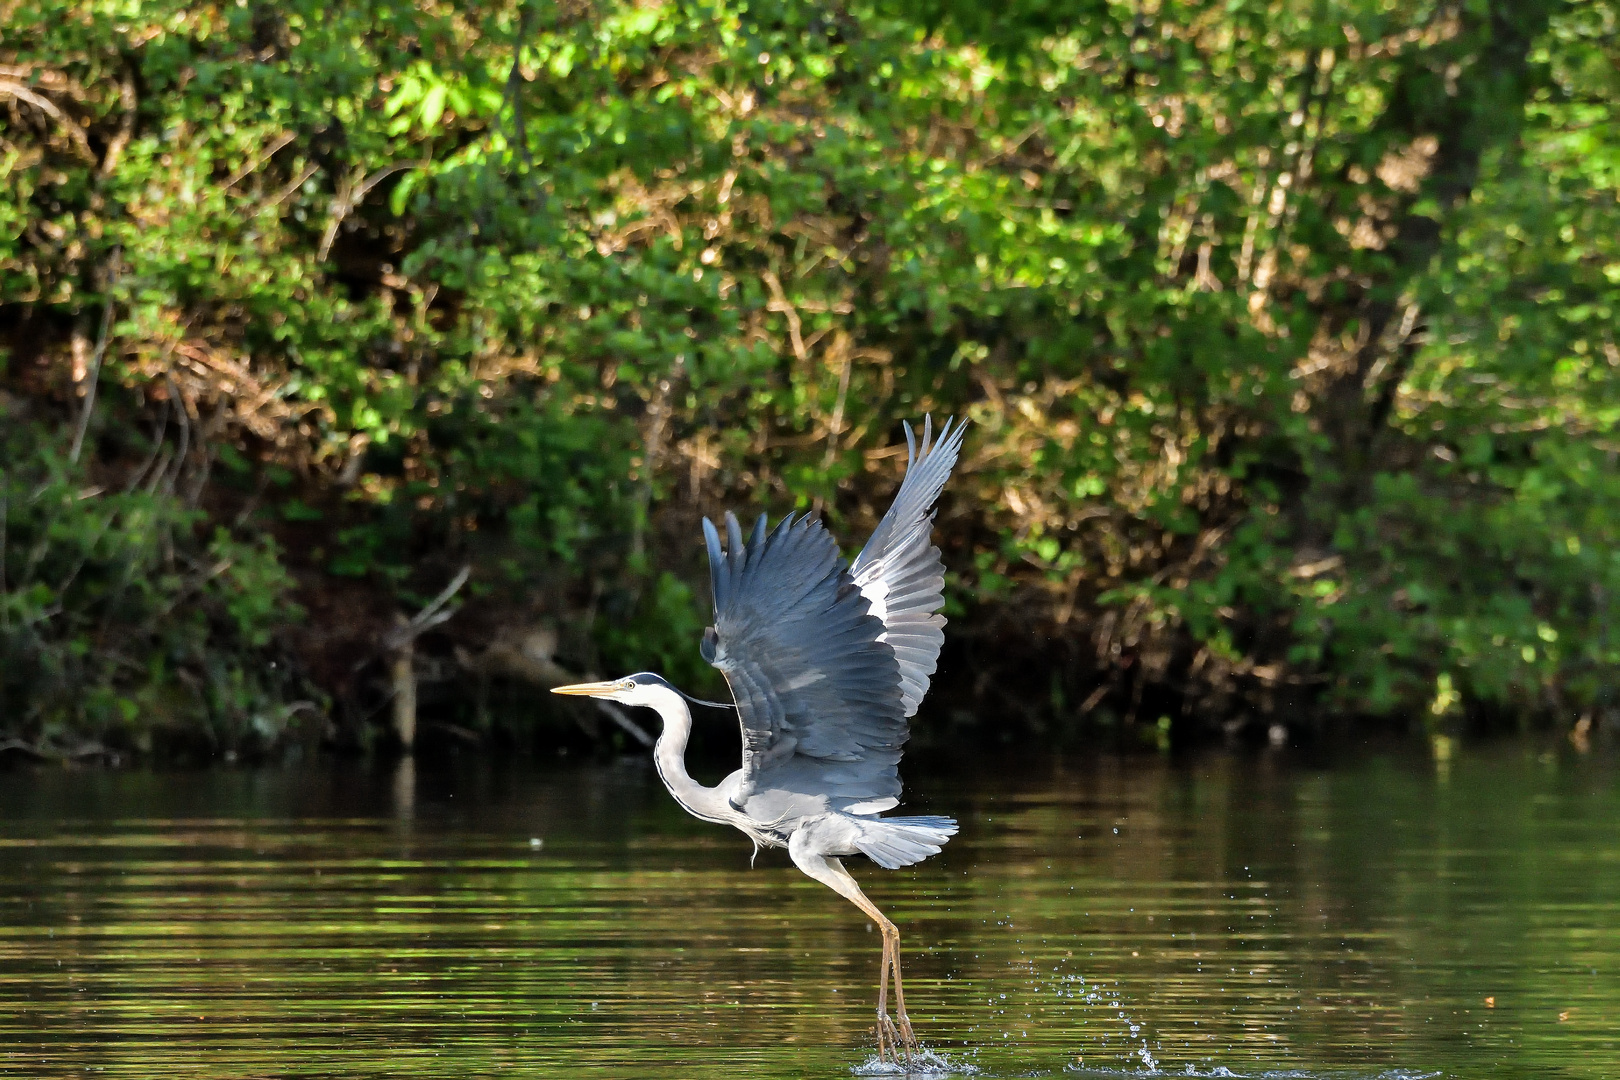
1242, 915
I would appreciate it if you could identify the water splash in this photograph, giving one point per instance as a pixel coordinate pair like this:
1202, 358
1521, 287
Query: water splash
1104, 999
924, 1063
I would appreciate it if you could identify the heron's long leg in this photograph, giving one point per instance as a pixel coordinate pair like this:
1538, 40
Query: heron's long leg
908, 1039
831, 873
896, 1037
900, 1039
887, 1036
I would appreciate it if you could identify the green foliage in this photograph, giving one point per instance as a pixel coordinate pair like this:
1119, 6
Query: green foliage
658, 632
1287, 329
122, 618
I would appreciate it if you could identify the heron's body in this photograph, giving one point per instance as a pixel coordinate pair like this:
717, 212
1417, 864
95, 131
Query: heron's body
827, 662
772, 817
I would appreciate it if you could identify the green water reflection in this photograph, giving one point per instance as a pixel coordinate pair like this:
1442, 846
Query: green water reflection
1232, 913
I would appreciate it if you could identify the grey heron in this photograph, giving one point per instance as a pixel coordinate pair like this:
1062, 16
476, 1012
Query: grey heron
826, 662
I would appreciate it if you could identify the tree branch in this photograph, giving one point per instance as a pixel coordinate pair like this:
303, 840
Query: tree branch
93, 373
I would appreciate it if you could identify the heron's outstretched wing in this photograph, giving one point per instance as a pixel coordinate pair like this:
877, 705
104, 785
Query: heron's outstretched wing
817, 692
900, 571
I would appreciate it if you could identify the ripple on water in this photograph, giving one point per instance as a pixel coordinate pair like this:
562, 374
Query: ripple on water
1368, 922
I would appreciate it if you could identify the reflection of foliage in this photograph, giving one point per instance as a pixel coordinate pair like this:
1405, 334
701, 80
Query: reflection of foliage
120, 616
1232, 915
1287, 330
1249, 889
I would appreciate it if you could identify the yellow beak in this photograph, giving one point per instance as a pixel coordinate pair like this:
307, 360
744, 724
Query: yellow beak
587, 689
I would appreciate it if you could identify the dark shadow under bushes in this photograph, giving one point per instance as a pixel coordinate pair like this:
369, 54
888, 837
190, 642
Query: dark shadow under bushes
129, 622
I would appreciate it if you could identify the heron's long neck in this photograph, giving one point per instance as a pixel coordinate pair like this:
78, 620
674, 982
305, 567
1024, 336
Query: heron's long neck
670, 757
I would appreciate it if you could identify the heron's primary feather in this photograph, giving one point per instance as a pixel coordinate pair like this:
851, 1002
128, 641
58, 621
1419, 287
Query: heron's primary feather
900, 571
817, 691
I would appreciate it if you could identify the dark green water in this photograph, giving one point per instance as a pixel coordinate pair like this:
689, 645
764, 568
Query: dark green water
1232, 915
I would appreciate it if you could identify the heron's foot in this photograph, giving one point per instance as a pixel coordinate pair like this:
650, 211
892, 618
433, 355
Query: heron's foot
908, 1039
888, 1037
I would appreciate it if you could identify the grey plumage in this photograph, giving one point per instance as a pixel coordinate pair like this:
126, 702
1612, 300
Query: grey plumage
817, 692
817, 676
900, 841
900, 570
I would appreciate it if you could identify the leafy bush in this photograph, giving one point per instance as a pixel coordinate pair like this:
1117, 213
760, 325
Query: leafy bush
124, 617
1286, 330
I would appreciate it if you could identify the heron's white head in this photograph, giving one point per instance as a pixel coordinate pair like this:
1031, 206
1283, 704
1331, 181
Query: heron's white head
643, 688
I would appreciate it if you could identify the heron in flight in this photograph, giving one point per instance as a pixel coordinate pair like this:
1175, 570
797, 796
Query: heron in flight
827, 662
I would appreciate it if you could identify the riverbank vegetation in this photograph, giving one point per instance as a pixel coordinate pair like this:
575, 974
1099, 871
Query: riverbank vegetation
1287, 332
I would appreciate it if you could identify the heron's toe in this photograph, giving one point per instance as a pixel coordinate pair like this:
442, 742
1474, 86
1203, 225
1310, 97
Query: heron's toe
888, 1039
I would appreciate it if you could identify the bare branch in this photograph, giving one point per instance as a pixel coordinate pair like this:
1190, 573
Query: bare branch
351, 195
258, 159
298, 182
428, 617
12, 88
93, 375
126, 128
618, 716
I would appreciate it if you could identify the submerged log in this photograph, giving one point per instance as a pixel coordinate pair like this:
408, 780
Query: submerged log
527, 654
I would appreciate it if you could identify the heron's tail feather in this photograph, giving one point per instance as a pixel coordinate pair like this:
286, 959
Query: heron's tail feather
901, 841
